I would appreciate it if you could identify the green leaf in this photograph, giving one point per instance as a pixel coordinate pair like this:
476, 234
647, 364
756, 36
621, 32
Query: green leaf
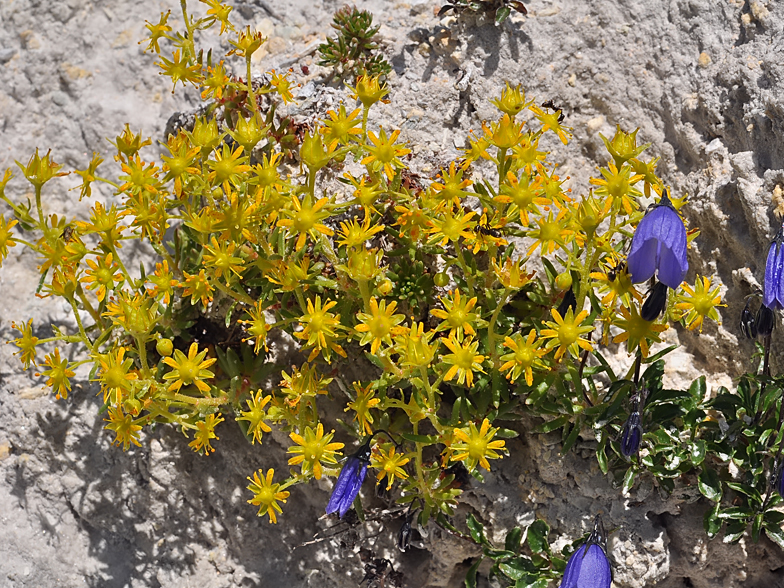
749, 491
734, 513
513, 539
514, 570
537, 536
426, 439
775, 533
628, 479
698, 449
734, 531
711, 522
477, 530
502, 433
470, 580
571, 439
502, 14
601, 456
709, 484
756, 527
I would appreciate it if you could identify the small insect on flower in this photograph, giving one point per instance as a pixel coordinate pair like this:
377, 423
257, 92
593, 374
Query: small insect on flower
589, 567
632, 430
659, 243
350, 480
773, 293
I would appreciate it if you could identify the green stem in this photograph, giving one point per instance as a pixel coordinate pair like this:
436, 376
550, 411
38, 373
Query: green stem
491, 344
464, 266
75, 308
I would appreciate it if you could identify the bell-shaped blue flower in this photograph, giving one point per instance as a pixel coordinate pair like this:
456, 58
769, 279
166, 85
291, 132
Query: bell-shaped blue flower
632, 429
589, 567
659, 244
773, 293
350, 480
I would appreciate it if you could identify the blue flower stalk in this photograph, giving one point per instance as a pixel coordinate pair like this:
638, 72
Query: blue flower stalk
589, 567
659, 248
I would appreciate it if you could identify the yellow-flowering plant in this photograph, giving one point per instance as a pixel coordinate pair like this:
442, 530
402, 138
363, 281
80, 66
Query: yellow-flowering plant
466, 302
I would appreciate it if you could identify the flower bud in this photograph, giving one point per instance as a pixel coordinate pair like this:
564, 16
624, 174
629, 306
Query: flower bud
766, 320
655, 303
164, 347
748, 322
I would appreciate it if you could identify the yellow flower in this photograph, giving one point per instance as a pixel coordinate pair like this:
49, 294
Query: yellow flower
512, 274
450, 188
266, 494
228, 167
526, 153
26, 343
197, 287
116, 376
258, 328
361, 406
205, 433
288, 274
104, 274
524, 195
368, 90
125, 428
220, 257
464, 360
320, 329
526, 355
189, 370
552, 121
617, 184
512, 100
504, 134
450, 226
390, 465
305, 382
6, 239
701, 302
476, 446
385, 153
282, 85
305, 219
157, 31
163, 281
341, 127
58, 373
313, 450
616, 284
551, 232
379, 325
623, 146
565, 333
414, 346
365, 195
457, 315
255, 416
354, 234
636, 331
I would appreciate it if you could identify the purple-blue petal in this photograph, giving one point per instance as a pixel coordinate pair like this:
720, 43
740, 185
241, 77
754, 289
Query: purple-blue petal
659, 243
772, 273
587, 568
780, 282
347, 487
632, 434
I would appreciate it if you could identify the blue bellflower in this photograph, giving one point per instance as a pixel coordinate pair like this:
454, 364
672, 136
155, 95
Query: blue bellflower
350, 480
589, 567
659, 243
773, 293
632, 430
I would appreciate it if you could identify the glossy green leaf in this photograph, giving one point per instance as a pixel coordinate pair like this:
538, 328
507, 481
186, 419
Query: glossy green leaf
709, 484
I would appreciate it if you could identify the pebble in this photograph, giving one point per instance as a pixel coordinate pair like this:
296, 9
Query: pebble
6, 54
60, 98
704, 60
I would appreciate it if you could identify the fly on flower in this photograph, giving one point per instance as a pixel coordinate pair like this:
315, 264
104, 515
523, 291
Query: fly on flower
589, 567
659, 244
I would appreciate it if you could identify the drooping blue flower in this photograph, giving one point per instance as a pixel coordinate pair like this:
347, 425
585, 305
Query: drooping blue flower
350, 480
659, 243
589, 567
773, 293
632, 429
